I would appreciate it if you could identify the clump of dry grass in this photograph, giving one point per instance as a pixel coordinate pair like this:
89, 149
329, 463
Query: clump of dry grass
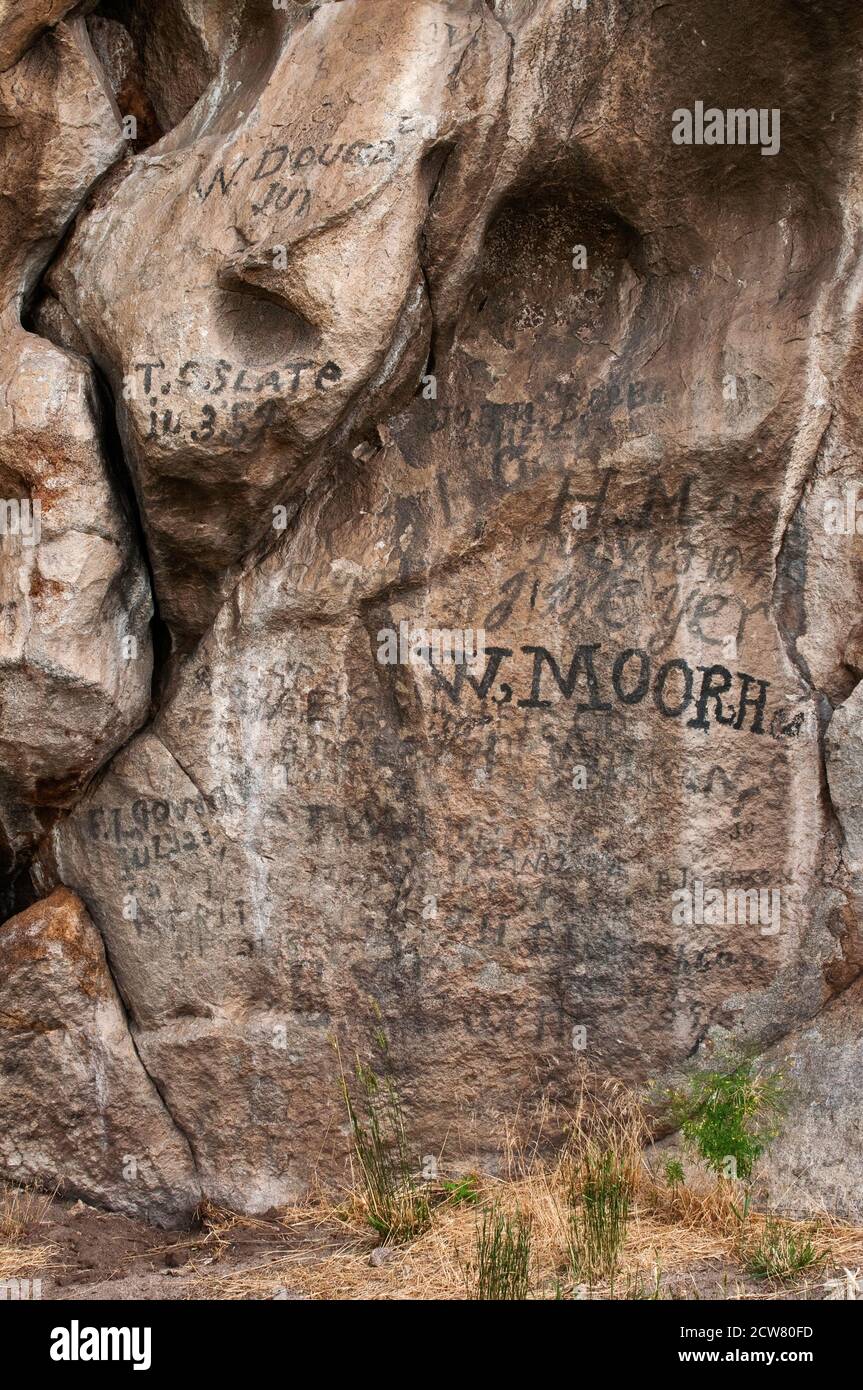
707, 1204
218, 1223
599, 1172
392, 1201
22, 1210
678, 1255
23, 1262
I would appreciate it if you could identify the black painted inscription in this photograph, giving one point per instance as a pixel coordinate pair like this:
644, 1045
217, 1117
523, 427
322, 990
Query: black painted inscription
717, 697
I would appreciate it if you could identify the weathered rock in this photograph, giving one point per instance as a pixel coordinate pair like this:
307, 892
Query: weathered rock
815, 1165
100, 1128
277, 290
57, 113
121, 64
419, 318
21, 23
75, 652
185, 45
844, 762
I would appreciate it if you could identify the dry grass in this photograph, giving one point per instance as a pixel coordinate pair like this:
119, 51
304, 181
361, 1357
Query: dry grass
676, 1239
681, 1242
436, 1265
22, 1209
23, 1262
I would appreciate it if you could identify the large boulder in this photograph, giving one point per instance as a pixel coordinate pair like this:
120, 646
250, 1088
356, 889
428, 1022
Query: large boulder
816, 1164
77, 1108
22, 21
278, 288
421, 319
75, 604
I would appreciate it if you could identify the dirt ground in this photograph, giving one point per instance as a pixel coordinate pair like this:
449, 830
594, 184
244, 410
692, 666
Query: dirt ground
81, 1253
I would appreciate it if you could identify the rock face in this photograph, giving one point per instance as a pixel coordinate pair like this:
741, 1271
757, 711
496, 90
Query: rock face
421, 322
101, 1126
815, 1164
22, 21
75, 606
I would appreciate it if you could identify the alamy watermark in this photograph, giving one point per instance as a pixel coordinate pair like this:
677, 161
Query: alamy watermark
734, 126
20, 1290
413, 646
21, 517
77, 1343
718, 907
843, 516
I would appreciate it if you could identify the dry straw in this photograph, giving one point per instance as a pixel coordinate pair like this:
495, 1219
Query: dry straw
681, 1241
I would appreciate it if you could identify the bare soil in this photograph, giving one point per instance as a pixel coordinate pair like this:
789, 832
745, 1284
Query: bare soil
82, 1253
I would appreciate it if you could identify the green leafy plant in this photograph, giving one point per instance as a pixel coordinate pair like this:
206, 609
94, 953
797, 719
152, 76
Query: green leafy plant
674, 1175
462, 1191
729, 1117
781, 1251
599, 1200
396, 1206
501, 1268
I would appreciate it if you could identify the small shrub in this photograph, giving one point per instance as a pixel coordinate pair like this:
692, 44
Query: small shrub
781, 1252
729, 1118
462, 1191
674, 1175
501, 1268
